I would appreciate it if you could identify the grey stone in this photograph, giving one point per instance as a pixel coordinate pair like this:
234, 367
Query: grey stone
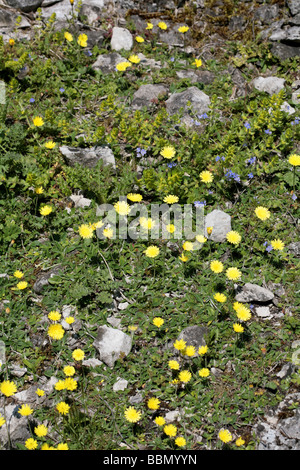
284, 51
107, 62
43, 279
172, 416
266, 13
88, 157
263, 312
280, 428
237, 23
136, 399
80, 201
193, 336
147, 95
149, 62
120, 385
63, 11
294, 248
121, 39
111, 344
123, 305
221, 223
92, 362
197, 76
24, 5
18, 427
296, 96
178, 102
291, 35
271, 85
286, 370
17, 370
253, 293
8, 19
294, 6
287, 108
295, 20
91, 10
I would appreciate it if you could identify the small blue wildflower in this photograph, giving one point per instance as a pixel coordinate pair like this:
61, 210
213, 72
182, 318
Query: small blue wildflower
247, 125
223, 159
265, 243
217, 158
61, 89
237, 177
203, 116
32, 100
199, 203
251, 160
210, 192
88, 53
143, 152
172, 59
269, 248
171, 165
294, 197
250, 175
267, 131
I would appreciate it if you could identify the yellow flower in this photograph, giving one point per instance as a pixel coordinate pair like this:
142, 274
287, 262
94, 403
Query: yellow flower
31, 444
294, 160
238, 328
122, 66
162, 25
122, 207
179, 344
183, 29
243, 312
224, 435
168, 152
41, 430
82, 40
2, 421
157, 321
201, 239
60, 385
39, 392
149, 26
147, 223
206, 176
187, 246
170, 430
18, 274
220, 297
139, 39
108, 232
98, 224
134, 197
70, 384
78, 354
233, 274
132, 415
277, 244
216, 266
152, 251
85, 231
68, 36
45, 210
170, 228
11, 41
183, 258
69, 320
22, 285
209, 230
134, 59
63, 446
233, 237
185, 376
202, 350
171, 199
38, 121
54, 315
180, 441
50, 144
8, 388
153, 403
262, 213
63, 408
239, 442
203, 372
39, 190
69, 370
56, 331
160, 421
25, 410
174, 365
190, 351
197, 62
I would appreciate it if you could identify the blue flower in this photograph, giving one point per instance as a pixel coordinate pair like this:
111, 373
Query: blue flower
269, 248
32, 100
171, 165
294, 197
247, 125
217, 158
199, 203
250, 175
267, 131
251, 160
61, 89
